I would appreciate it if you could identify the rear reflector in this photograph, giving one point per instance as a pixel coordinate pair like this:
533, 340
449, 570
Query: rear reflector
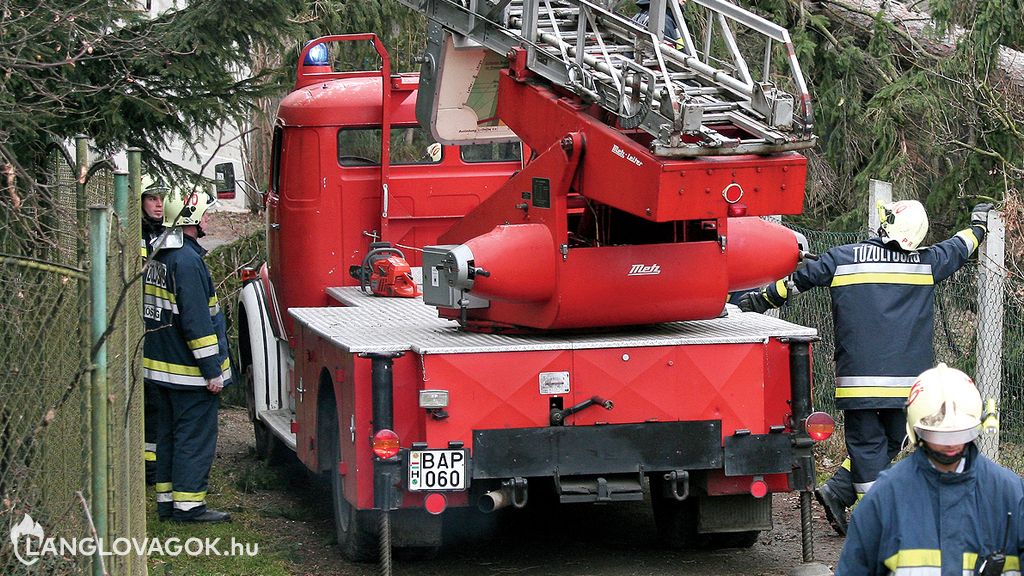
758, 488
435, 503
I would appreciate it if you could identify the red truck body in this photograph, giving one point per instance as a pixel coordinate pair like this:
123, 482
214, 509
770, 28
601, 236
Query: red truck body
704, 417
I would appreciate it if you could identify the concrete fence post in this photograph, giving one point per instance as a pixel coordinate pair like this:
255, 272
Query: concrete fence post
878, 191
989, 342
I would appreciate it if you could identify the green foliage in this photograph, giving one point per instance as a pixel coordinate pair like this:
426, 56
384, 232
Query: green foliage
943, 129
108, 70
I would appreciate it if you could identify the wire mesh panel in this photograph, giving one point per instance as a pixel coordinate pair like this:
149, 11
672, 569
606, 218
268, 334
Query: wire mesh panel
44, 456
45, 363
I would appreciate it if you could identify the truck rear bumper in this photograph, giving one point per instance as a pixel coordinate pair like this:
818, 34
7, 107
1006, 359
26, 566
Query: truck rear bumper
597, 450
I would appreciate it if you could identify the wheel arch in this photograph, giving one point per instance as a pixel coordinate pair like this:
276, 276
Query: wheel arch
327, 428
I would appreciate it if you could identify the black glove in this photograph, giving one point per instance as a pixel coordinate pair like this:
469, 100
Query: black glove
754, 301
979, 214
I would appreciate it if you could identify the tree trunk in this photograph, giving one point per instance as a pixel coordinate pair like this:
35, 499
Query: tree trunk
912, 24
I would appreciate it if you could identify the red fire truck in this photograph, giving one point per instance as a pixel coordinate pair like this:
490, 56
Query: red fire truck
572, 334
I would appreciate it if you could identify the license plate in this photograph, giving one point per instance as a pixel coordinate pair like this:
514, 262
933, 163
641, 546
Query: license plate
437, 470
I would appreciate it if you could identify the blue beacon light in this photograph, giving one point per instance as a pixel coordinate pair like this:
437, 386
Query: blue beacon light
317, 56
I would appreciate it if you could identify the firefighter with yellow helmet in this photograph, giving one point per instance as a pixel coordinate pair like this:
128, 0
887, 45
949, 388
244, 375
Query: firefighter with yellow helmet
946, 509
882, 292
186, 358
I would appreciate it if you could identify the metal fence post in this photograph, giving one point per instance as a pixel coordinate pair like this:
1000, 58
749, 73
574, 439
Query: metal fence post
991, 285
99, 387
879, 191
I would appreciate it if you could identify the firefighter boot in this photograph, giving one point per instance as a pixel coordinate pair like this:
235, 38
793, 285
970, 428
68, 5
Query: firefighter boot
208, 516
835, 512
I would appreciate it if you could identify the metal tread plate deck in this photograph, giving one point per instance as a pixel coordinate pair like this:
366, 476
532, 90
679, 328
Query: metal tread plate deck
367, 324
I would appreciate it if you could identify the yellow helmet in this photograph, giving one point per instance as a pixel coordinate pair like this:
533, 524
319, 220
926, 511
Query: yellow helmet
944, 407
904, 222
185, 207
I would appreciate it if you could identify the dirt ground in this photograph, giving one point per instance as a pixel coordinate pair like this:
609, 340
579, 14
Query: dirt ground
582, 540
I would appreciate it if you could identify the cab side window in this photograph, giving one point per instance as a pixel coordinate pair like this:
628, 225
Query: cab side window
500, 152
361, 146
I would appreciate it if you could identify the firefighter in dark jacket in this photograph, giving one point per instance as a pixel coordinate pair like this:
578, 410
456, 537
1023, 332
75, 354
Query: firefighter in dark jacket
152, 226
186, 357
153, 193
882, 293
946, 509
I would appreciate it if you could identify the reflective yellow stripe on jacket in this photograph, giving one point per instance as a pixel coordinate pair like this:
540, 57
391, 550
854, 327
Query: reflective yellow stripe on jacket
883, 273
923, 562
874, 386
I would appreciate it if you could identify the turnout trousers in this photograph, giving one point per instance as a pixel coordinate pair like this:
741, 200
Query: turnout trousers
185, 446
151, 419
873, 438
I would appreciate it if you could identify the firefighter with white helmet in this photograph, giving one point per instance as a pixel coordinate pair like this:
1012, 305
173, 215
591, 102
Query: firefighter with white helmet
882, 292
186, 358
946, 509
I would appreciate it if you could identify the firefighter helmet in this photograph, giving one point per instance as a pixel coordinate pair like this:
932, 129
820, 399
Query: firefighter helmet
944, 407
904, 222
153, 187
185, 207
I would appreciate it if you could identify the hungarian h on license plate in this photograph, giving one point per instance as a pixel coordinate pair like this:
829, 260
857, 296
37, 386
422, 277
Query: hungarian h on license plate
437, 470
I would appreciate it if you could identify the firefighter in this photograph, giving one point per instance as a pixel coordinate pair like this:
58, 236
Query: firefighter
186, 357
152, 226
643, 16
882, 292
947, 508
153, 193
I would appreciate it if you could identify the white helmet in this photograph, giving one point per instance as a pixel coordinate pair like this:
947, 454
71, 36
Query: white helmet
904, 222
944, 407
190, 204
153, 187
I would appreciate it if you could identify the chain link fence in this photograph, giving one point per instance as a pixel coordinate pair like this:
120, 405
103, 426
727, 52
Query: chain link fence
46, 357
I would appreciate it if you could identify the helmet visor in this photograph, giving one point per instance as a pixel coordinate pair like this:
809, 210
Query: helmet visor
947, 437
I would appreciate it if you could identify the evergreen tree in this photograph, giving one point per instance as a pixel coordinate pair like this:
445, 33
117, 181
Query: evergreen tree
106, 70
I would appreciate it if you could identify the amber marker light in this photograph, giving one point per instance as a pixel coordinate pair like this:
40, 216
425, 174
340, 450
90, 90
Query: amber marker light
819, 426
385, 444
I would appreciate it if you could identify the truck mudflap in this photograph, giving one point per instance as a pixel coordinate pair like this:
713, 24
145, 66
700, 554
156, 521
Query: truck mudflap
597, 450
753, 454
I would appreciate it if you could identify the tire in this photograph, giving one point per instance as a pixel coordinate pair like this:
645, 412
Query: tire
356, 530
731, 539
268, 446
676, 520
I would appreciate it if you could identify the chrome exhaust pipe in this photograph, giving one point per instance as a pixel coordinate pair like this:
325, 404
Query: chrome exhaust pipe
511, 492
495, 500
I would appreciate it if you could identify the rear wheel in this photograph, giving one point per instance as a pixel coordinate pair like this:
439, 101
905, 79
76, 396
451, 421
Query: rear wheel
356, 530
676, 520
268, 446
732, 539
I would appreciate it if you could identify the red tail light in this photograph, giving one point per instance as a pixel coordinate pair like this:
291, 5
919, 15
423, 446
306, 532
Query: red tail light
247, 274
385, 444
819, 426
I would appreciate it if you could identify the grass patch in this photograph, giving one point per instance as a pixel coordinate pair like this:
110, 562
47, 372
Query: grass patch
231, 487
